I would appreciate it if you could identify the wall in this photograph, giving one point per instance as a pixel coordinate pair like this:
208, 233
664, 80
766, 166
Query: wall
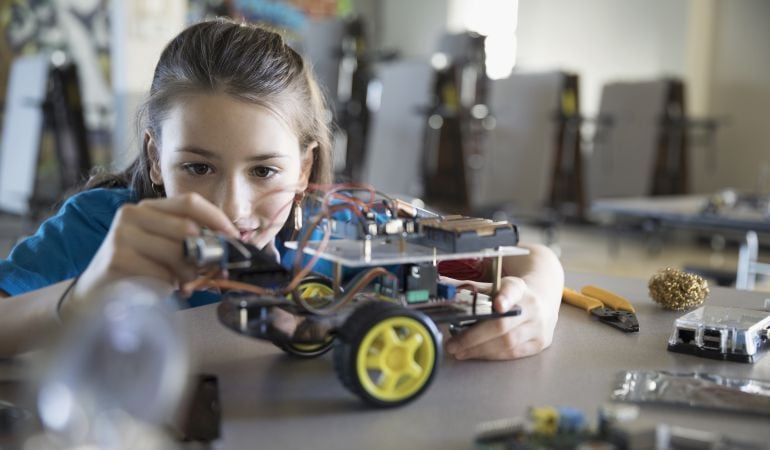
721, 48
140, 31
603, 40
411, 27
740, 93
78, 28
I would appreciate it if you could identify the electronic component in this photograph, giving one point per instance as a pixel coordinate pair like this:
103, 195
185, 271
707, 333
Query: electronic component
417, 283
447, 291
394, 295
345, 229
243, 262
718, 332
410, 210
205, 250
420, 282
466, 234
201, 418
564, 427
543, 427
693, 390
388, 288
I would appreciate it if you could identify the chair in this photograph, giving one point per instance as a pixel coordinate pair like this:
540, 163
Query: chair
748, 264
43, 97
321, 44
397, 99
518, 155
22, 125
645, 154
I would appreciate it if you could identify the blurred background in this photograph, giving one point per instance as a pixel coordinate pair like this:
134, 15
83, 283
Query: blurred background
629, 136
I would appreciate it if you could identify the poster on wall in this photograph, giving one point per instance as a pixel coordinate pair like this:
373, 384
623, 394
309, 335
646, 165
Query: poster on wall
79, 28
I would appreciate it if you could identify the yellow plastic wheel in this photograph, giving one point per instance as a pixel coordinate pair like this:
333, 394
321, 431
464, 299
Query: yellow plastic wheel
389, 354
318, 294
396, 358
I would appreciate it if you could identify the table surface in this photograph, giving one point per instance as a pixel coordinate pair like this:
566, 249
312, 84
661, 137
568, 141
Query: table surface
272, 401
683, 210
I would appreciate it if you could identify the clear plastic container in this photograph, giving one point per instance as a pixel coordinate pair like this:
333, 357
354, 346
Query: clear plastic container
722, 333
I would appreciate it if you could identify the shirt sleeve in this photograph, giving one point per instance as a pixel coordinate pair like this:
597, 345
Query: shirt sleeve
63, 245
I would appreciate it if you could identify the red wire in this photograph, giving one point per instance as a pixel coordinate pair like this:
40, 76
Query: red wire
471, 269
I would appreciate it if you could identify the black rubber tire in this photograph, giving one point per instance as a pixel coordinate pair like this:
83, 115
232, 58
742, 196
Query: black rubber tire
293, 350
298, 352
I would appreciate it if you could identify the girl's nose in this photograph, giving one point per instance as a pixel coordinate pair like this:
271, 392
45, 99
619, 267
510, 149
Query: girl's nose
236, 200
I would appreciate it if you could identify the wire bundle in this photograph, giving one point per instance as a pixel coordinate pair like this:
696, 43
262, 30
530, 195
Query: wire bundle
332, 201
471, 269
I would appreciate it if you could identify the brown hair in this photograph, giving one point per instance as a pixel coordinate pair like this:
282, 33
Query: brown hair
246, 62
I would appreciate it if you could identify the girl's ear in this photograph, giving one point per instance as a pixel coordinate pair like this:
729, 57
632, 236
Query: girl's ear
153, 157
307, 166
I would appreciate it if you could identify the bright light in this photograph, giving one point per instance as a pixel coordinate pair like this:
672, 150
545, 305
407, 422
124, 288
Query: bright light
495, 19
439, 61
56, 404
479, 111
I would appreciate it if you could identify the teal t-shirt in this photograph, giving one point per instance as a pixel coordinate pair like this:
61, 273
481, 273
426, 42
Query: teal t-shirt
63, 245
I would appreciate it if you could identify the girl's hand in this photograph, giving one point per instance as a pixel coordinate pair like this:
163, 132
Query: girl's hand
146, 240
510, 337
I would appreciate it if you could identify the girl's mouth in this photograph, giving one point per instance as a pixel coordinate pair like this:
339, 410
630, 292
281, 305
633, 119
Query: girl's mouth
248, 235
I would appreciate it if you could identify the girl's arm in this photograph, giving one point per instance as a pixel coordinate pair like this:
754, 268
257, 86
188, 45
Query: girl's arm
535, 283
28, 320
144, 240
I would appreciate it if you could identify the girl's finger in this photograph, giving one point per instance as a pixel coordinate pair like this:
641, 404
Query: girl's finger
512, 291
529, 348
506, 346
197, 208
159, 250
481, 287
484, 331
135, 265
160, 222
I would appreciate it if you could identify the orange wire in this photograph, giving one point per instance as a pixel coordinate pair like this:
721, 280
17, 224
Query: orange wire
328, 210
297, 279
236, 285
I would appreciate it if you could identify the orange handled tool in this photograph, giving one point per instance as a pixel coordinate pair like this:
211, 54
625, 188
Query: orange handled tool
618, 312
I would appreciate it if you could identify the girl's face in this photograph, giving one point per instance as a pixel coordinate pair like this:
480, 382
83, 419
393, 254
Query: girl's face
239, 156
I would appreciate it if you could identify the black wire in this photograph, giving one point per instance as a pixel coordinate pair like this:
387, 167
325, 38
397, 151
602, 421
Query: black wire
63, 297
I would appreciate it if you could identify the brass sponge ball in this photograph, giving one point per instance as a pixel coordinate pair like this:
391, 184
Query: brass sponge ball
678, 290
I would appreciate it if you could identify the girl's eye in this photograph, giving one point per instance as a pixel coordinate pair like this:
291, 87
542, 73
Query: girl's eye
263, 172
198, 168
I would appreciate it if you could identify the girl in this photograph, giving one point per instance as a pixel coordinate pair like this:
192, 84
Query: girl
234, 128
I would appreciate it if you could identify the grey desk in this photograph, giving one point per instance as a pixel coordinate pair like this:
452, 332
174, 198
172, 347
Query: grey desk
273, 402
682, 210
686, 211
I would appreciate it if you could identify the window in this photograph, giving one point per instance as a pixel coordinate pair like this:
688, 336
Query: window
495, 19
